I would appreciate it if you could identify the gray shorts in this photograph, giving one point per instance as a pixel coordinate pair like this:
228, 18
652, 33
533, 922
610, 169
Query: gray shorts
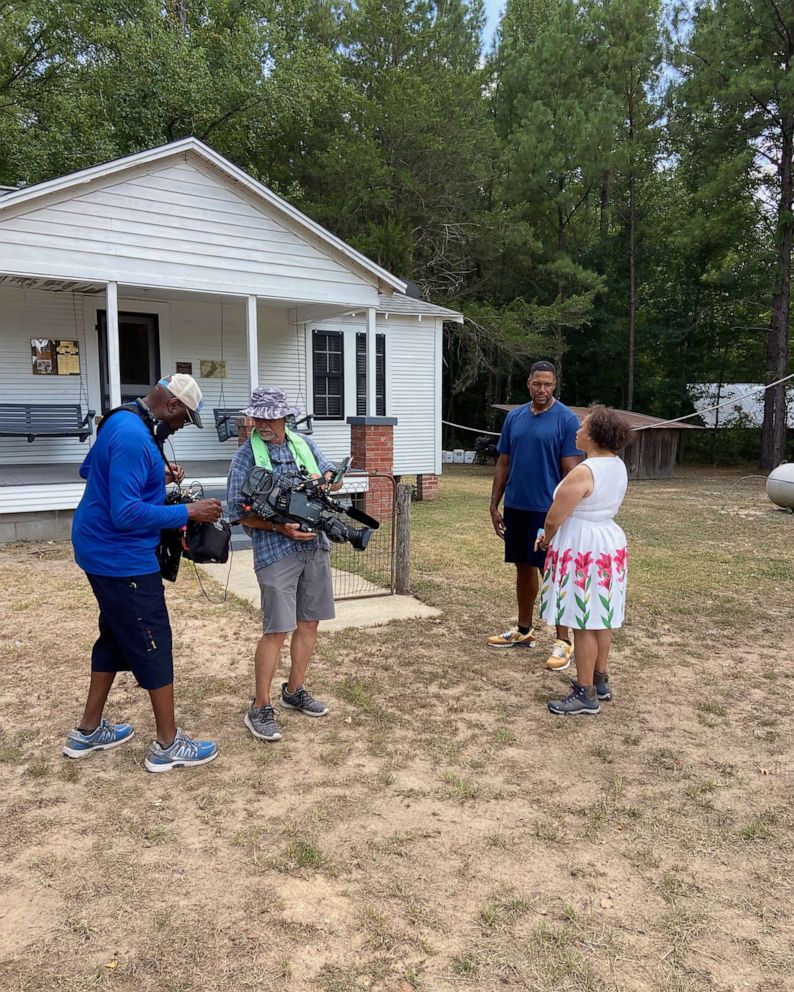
294, 588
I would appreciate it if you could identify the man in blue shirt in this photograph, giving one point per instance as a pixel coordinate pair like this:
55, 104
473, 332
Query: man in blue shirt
115, 534
537, 448
292, 567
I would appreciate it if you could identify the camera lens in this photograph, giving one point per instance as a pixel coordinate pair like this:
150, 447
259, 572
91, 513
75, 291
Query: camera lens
360, 540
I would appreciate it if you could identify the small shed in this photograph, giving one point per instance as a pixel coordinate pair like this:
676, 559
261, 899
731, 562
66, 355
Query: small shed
653, 452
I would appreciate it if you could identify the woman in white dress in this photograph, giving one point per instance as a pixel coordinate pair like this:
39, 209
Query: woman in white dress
584, 579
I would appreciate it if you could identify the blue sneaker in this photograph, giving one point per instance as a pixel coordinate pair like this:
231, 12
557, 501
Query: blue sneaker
579, 702
183, 753
106, 736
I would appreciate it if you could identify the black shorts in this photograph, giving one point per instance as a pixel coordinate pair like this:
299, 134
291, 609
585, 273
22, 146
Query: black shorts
521, 531
134, 629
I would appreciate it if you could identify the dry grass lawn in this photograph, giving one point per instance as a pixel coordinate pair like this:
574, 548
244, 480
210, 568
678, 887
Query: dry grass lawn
439, 830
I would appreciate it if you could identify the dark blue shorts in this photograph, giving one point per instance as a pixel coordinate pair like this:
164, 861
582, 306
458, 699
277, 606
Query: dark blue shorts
521, 530
134, 629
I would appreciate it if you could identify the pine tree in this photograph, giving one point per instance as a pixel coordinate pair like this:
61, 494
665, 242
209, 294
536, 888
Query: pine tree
558, 117
627, 36
739, 89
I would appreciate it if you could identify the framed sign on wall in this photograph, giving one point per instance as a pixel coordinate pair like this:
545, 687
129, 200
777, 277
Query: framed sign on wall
51, 356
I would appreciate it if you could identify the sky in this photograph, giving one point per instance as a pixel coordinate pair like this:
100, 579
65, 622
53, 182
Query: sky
493, 10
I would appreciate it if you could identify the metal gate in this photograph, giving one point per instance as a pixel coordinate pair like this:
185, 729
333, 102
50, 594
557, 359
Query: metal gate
360, 574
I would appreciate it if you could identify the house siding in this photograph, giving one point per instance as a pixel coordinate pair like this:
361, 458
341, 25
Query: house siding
179, 225
412, 361
26, 314
190, 330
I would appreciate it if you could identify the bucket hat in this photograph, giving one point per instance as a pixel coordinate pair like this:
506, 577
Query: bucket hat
270, 403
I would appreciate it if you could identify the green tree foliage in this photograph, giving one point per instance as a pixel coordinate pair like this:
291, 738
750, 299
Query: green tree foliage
592, 191
627, 35
113, 78
401, 168
737, 101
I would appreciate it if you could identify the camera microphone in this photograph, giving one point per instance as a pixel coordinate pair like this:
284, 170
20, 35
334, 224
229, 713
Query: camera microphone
362, 518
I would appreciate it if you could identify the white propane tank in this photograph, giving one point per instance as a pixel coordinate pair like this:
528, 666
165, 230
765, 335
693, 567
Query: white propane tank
780, 485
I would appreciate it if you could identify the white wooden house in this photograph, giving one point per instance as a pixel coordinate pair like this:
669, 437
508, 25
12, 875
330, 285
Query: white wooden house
173, 259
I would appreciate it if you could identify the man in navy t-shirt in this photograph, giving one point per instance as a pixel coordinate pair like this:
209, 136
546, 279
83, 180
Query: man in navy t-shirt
537, 448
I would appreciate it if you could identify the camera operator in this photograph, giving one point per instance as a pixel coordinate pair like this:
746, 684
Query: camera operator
115, 534
292, 567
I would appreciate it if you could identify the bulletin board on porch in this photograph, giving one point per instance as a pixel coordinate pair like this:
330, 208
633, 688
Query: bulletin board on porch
54, 356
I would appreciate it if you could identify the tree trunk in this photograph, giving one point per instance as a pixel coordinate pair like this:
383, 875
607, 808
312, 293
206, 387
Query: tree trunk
773, 435
178, 11
632, 262
559, 345
559, 331
603, 219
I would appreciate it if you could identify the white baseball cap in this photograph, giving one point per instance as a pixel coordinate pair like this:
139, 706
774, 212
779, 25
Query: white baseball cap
186, 390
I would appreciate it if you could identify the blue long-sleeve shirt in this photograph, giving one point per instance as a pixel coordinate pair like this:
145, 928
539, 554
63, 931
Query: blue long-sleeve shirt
116, 527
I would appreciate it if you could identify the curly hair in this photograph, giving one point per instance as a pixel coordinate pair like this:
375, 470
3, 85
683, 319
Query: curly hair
608, 429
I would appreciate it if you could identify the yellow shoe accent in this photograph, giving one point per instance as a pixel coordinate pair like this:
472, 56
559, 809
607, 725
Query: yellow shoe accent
513, 638
561, 656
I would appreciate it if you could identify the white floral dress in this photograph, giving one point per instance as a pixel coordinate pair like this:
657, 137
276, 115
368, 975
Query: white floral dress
586, 570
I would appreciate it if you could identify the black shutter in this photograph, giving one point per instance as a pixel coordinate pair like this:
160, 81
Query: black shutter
361, 375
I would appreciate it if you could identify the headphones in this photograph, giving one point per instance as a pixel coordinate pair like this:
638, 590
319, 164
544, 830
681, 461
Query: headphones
161, 429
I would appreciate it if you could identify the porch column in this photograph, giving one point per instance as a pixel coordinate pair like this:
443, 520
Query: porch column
114, 371
253, 343
372, 351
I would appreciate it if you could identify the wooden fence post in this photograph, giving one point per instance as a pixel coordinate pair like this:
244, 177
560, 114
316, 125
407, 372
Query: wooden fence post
402, 540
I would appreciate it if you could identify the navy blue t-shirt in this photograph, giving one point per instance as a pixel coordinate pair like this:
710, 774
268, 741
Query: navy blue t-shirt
535, 443
116, 527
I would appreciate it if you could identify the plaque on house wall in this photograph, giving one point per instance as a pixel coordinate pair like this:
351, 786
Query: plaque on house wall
54, 356
184, 368
212, 368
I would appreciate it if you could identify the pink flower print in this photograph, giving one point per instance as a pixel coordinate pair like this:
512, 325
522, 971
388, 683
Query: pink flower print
565, 561
550, 565
604, 566
581, 565
620, 562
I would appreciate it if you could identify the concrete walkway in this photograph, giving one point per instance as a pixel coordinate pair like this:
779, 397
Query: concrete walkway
374, 611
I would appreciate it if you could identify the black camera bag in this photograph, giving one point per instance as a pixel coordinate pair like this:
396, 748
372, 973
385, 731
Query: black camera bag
205, 543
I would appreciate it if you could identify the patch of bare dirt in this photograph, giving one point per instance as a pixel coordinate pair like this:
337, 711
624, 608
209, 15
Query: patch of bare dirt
439, 830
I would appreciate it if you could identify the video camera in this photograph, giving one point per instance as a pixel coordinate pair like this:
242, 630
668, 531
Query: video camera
305, 501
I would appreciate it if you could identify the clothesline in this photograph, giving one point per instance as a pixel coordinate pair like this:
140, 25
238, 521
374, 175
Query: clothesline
664, 423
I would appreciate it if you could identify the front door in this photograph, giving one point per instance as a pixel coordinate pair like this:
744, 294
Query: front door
139, 355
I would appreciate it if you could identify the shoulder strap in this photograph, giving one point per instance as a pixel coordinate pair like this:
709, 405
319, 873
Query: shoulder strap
301, 452
142, 415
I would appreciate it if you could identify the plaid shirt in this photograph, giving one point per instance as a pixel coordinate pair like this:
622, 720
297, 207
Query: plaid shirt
269, 546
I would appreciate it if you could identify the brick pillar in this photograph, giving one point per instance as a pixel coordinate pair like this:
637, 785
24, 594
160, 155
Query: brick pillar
244, 427
426, 488
372, 450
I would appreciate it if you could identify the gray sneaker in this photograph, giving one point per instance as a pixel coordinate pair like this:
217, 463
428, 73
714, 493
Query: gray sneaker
303, 701
261, 721
603, 692
580, 701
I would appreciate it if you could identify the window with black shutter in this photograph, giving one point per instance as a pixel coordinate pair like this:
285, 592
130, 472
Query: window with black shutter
361, 375
329, 375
